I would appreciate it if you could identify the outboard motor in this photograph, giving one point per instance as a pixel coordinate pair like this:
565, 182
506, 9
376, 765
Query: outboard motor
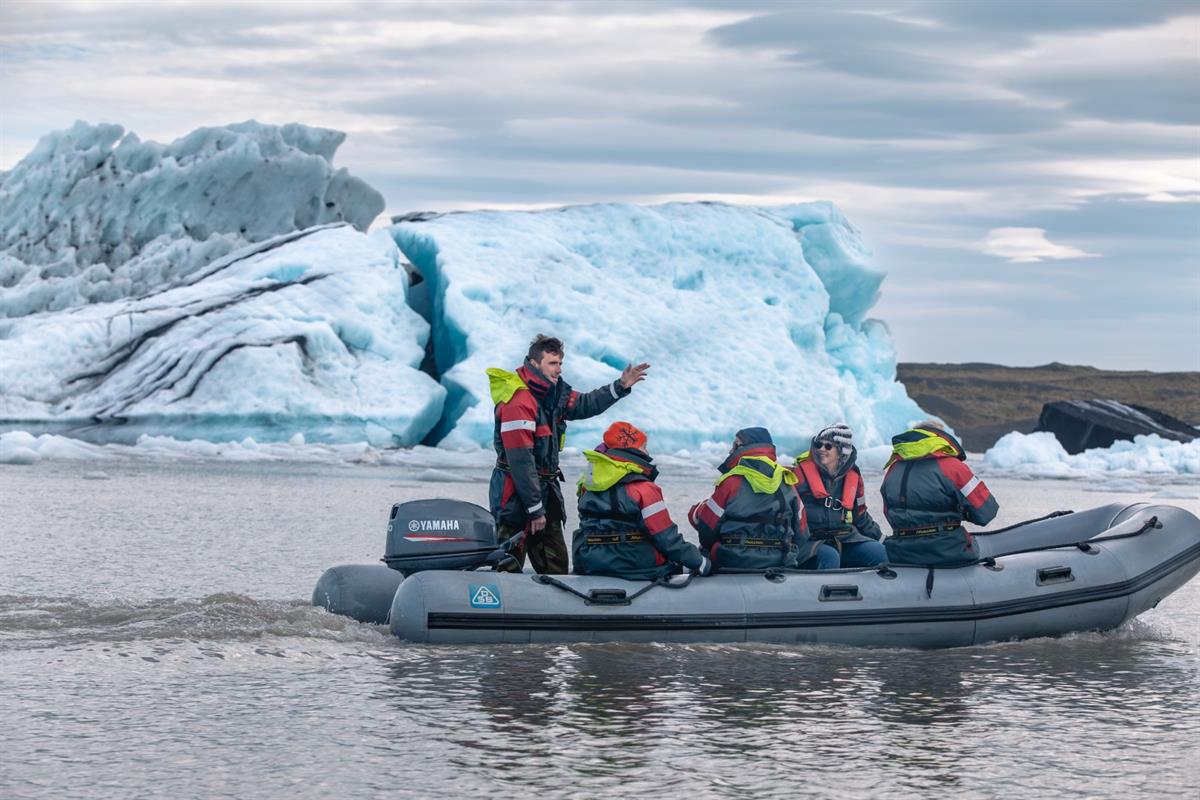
438, 534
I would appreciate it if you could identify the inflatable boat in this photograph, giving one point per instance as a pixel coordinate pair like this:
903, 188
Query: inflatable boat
1071, 571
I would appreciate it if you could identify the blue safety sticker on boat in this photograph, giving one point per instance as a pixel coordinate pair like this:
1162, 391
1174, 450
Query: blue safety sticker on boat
484, 596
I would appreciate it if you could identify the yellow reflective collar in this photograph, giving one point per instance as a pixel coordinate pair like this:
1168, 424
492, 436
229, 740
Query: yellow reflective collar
604, 472
760, 483
931, 444
504, 384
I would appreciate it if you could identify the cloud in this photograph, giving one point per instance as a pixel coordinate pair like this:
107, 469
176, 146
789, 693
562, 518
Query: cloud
1030, 19
1025, 245
927, 121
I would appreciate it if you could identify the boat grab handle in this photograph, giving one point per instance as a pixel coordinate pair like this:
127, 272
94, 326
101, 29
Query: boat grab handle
608, 597
1054, 575
612, 596
839, 591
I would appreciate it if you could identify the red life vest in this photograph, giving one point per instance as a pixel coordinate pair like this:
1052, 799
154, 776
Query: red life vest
812, 477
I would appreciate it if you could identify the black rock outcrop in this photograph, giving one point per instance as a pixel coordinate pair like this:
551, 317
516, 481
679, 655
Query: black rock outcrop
1083, 424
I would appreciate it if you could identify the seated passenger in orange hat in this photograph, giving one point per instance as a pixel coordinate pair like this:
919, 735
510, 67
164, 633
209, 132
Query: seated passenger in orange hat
625, 530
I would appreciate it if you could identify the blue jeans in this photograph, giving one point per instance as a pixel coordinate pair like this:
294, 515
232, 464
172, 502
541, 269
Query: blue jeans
826, 557
863, 554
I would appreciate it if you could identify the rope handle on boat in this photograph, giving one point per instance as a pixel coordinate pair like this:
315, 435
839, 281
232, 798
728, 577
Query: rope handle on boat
1085, 545
1051, 515
613, 596
990, 561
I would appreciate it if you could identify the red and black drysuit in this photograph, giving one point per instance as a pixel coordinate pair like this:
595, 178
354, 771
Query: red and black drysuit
625, 529
928, 492
530, 429
743, 529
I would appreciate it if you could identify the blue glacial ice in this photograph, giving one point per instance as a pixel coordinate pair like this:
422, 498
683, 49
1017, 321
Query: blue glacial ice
223, 287
749, 316
217, 287
312, 336
94, 214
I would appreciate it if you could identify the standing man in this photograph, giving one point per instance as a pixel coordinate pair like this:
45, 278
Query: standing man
928, 492
533, 405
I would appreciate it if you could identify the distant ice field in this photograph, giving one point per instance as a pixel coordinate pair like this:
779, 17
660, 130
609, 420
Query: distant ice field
1148, 464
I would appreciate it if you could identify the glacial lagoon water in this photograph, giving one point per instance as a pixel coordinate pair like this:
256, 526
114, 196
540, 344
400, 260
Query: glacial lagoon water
156, 641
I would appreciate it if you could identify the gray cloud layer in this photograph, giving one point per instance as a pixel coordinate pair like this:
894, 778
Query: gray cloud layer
931, 123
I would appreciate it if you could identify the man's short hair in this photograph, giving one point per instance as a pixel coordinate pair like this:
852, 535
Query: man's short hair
543, 344
932, 424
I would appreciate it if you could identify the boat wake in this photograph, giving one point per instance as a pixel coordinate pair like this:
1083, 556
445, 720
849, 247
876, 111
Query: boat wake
39, 621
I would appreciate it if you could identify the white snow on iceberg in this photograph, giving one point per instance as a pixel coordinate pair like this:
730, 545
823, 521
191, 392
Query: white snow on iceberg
310, 332
204, 289
213, 287
749, 316
1040, 455
93, 214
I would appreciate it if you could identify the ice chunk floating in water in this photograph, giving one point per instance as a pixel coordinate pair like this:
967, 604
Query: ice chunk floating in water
1040, 455
208, 288
750, 316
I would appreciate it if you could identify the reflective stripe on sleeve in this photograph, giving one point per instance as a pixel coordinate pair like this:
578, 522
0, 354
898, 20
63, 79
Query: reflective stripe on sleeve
652, 509
970, 487
535, 508
612, 387
518, 425
714, 507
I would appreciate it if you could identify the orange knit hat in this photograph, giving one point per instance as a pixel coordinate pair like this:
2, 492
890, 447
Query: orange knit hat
623, 434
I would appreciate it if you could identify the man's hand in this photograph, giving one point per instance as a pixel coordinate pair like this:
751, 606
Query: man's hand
632, 375
536, 524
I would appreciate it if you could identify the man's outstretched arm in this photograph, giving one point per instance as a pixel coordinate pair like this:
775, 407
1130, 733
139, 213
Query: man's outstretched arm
581, 405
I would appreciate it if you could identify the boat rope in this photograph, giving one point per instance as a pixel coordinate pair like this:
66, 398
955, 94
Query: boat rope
613, 596
1051, 515
990, 561
1084, 545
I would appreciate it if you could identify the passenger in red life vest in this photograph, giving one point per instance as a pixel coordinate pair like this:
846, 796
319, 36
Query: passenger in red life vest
928, 492
754, 518
831, 488
533, 405
625, 529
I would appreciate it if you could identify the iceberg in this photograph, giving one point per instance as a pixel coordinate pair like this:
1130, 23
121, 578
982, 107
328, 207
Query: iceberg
1040, 455
310, 333
749, 316
93, 214
217, 287
224, 287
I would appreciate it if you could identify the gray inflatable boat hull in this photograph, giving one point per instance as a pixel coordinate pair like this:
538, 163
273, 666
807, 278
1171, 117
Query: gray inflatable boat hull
1114, 575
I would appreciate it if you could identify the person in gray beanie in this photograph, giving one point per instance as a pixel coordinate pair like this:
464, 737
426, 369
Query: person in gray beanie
831, 488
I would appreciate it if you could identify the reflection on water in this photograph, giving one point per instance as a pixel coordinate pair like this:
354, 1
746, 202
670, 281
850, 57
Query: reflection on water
1089, 715
155, 641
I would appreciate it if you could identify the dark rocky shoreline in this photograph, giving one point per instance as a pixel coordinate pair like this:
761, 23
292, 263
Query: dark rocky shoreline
985, 401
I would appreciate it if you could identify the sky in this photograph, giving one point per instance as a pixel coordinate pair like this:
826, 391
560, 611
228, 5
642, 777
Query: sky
1028, 173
